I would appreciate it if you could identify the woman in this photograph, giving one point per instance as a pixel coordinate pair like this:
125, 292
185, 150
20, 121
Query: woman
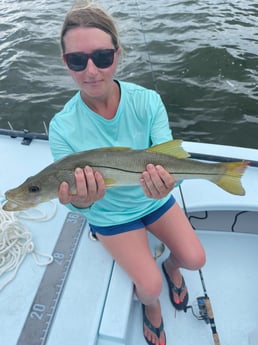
108, 112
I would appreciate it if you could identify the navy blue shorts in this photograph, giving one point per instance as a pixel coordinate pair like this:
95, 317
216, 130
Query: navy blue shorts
135, 224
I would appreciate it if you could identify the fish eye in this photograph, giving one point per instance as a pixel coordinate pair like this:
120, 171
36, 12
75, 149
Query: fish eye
34, 189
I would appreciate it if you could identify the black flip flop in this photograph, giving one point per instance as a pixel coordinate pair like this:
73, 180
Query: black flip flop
172, 288
156, 331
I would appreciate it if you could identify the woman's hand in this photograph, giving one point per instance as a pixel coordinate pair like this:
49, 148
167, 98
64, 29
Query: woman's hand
90, 187
156, 181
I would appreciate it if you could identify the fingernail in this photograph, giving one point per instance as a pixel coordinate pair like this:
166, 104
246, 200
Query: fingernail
88, 169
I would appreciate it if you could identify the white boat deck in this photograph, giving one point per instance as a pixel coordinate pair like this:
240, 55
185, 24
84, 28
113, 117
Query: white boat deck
98, 305
231, 280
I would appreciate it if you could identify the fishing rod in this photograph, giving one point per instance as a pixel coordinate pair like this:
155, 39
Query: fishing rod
208, 309
202, 301
204, 304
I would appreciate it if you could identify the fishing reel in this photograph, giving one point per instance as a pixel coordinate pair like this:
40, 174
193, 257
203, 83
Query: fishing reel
202, 307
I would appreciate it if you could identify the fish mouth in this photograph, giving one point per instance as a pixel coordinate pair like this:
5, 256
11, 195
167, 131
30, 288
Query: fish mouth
13, 206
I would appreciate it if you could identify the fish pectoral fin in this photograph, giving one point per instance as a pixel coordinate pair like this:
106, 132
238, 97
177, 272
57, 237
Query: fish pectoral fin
109, 182
172, 148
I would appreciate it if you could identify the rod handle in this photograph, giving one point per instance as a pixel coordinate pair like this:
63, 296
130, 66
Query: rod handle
216, 338
212, 321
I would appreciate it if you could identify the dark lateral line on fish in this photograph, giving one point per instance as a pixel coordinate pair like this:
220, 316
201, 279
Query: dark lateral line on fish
223, 159
139, 172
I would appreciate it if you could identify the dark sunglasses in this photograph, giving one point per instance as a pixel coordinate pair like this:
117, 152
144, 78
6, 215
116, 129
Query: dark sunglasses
102, 58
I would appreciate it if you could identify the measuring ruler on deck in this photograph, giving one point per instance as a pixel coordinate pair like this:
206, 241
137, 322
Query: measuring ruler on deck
45, 303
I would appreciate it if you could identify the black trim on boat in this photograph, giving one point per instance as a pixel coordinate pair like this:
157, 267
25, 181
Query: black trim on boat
25, 134
29, 136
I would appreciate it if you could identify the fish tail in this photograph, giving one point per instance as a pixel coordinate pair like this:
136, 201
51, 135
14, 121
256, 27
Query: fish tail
230, 181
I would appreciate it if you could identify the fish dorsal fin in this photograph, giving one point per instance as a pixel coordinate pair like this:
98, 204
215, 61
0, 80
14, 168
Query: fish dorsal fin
172, 148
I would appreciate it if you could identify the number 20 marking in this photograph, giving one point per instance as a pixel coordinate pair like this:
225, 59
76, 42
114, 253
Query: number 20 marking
38, 311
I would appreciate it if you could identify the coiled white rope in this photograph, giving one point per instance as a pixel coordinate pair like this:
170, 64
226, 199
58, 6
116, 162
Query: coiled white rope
16, 242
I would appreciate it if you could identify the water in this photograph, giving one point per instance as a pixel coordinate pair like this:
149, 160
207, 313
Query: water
201, 56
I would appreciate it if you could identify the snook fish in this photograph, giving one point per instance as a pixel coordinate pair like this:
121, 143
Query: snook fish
121, 166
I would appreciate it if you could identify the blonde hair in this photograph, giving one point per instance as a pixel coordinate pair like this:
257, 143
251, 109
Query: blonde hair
89, 15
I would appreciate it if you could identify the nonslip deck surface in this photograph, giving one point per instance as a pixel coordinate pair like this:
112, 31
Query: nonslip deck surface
231, 280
